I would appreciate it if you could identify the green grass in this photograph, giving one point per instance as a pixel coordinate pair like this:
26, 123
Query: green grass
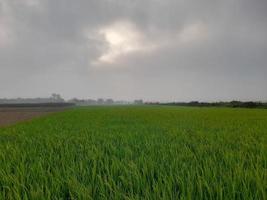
137, 153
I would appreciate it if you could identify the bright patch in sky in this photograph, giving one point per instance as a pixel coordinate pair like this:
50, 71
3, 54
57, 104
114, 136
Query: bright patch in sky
122, 38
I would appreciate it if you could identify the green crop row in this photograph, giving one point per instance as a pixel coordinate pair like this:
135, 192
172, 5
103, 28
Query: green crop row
149, 152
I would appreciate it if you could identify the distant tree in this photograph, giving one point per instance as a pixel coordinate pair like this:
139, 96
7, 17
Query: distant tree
138, 101
56, 97
251, 104
109, 101
91, 101
100, 101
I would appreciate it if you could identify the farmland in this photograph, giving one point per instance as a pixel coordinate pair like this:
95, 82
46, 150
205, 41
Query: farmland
11, 116
136, 152
13, 113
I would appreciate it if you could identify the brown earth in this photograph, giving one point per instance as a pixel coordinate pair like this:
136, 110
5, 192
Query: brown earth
9, 116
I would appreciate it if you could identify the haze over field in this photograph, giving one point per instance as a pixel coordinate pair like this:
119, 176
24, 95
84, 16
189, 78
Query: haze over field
166, 50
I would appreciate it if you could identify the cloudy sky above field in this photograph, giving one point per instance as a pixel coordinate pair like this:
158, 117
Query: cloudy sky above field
127, 49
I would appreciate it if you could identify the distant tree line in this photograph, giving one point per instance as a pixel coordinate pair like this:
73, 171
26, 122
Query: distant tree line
58, 100
232, 104
55, 98
100, 101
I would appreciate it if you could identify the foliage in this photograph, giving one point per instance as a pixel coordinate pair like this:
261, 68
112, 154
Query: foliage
137, 152
232, 104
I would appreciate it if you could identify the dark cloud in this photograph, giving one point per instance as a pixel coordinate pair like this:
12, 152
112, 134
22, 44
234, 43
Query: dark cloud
126, 49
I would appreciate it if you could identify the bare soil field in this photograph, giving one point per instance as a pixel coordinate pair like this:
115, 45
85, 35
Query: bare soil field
12, 115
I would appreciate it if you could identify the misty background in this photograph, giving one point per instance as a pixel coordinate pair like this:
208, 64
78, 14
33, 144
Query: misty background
156, 50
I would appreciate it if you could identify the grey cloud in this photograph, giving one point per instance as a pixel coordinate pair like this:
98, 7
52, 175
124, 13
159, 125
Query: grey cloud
52, 50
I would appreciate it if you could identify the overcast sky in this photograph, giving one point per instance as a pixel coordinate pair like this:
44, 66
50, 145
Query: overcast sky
168, 50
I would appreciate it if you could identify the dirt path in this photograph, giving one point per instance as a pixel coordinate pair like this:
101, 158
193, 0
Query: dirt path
9, 116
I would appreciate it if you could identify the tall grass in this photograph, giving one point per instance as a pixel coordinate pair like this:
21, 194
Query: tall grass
137, 153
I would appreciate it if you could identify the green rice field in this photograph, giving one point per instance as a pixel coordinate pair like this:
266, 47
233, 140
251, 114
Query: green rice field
136, 152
